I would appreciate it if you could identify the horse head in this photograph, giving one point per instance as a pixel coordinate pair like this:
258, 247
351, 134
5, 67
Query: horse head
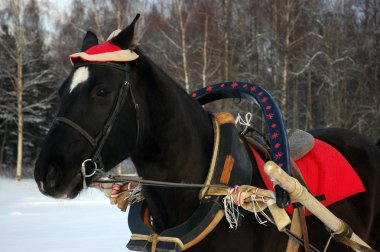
87, 126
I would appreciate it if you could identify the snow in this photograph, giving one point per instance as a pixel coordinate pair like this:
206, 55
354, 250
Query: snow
30, 221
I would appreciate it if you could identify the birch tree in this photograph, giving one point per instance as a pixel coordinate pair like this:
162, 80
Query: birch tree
183, 23
26, 77
17, 55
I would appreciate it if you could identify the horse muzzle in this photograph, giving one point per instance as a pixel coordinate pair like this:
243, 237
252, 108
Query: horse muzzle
54, 184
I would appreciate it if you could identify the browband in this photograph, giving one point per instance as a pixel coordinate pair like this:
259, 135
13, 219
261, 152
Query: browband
124, 68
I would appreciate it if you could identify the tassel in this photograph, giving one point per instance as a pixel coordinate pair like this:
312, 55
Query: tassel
257, 209
231, 210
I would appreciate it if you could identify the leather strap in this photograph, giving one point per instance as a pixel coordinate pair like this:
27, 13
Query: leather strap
79, 129
178, 238
259, 148
295, 228
305, 232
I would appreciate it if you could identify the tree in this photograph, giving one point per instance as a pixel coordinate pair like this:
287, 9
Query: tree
8, 113
17, 55
25, 78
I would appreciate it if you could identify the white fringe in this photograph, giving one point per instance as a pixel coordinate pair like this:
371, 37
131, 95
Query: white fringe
134, 196
231, 211
257, 209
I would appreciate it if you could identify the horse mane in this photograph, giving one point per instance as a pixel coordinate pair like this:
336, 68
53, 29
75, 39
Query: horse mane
177, 146
159, 75
163, 88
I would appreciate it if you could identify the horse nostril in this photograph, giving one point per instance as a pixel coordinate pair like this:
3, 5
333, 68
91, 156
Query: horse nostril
52, 177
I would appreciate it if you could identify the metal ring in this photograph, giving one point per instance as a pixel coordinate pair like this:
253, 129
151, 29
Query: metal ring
84, 168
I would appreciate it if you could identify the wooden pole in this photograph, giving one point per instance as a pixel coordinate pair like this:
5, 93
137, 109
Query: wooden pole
300, 194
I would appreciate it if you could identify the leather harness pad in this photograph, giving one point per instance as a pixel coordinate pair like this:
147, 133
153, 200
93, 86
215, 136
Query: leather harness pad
230, 165
232, 156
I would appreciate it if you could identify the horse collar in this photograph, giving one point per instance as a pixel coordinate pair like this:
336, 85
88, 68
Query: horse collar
230, 166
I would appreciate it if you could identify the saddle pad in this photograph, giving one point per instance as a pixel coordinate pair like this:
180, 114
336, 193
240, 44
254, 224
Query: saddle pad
325, 171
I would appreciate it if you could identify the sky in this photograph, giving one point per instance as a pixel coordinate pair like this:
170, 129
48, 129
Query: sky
54, 11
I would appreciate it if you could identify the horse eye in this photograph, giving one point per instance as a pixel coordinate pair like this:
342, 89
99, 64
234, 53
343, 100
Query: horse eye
102, 93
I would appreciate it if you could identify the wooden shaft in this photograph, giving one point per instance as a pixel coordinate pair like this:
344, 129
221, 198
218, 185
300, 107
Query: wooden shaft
300, 194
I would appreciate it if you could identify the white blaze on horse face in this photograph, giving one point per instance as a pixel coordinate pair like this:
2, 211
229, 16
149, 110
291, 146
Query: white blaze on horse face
79, 77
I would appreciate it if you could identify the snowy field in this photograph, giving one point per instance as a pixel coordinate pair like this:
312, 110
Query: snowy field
30, 221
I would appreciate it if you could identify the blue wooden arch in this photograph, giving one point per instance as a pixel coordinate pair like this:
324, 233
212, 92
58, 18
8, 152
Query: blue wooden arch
273, 118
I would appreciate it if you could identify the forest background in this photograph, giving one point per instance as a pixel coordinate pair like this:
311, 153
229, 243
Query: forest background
319, 58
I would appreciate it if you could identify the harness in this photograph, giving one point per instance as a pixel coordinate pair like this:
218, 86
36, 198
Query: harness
230, 166
95, 164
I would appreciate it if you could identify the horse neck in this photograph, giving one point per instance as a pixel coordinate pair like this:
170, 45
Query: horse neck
176, 146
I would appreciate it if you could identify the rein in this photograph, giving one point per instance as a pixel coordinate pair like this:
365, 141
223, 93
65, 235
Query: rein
98, 142
110, 179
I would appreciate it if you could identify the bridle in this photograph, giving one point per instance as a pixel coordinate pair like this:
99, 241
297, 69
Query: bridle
94, 165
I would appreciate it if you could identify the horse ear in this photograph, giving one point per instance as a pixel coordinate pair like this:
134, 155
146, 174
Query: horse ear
89, 40
125, 39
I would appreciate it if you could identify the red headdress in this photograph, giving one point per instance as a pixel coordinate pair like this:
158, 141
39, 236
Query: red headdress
105, 52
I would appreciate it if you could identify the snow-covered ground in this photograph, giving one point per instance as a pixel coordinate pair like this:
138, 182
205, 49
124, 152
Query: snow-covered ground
30, 221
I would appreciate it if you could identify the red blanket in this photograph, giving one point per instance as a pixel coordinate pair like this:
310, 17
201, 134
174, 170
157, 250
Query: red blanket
325, 171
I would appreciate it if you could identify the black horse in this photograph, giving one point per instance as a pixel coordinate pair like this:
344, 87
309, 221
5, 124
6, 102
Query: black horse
169, 137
